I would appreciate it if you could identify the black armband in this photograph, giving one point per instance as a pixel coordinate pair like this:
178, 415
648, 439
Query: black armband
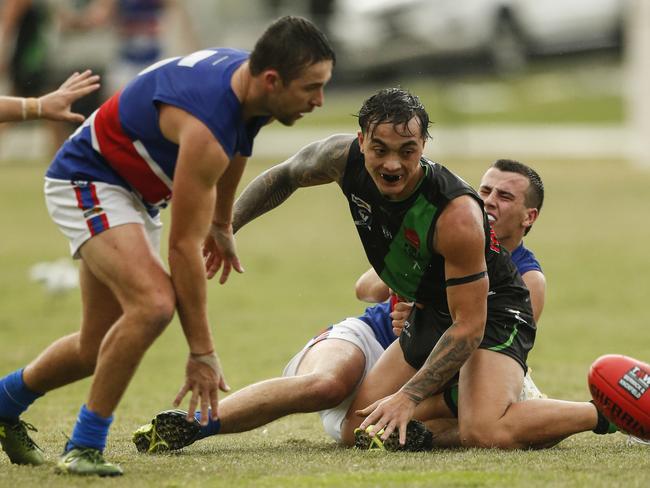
465, 279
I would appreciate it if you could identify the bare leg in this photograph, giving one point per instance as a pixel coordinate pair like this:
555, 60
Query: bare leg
445, 432
73, 357
433, 408
386, 377
124, 260
327, 375
127, 300
489, 415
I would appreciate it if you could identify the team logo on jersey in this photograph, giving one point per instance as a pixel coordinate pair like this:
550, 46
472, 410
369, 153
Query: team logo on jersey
412, 238
361, 212
412, 246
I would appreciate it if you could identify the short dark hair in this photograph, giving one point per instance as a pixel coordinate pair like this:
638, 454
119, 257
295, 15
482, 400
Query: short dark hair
393, 105
534, 197
289, 45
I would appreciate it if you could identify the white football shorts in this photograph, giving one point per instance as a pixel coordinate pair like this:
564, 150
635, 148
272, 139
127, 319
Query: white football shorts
83, 209
361, 335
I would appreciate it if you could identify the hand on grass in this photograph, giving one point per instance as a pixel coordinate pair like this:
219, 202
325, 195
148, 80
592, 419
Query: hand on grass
389, 413
203, 377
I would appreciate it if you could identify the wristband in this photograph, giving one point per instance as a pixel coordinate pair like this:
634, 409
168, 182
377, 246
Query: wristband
209, 359
31, 108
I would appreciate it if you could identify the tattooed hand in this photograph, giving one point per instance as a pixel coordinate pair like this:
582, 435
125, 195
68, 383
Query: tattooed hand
389, 413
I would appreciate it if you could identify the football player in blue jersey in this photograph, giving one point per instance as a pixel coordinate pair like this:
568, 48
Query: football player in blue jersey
325, 374
55, 105
184, 126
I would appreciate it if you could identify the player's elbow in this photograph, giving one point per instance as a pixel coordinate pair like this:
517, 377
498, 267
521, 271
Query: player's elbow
370, 294
180, 251
370, 288
471, 331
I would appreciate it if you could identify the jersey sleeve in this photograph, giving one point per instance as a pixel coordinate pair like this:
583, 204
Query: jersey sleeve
525, 260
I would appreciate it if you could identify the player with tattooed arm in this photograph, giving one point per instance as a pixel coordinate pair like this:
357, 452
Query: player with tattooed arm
426, 235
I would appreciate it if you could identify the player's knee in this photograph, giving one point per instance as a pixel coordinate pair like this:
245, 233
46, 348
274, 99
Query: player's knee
164, 308
160, 311
329, 391
154, 312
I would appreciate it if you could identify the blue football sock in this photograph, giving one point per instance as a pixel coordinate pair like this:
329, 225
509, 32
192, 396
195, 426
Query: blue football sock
15, 397
91, 430
213, 427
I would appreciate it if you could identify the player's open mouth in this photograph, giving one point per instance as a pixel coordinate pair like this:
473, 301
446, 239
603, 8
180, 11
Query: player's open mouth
491, 218
390, 178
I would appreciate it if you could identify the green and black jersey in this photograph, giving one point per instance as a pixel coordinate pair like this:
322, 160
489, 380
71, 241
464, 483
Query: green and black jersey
397, 235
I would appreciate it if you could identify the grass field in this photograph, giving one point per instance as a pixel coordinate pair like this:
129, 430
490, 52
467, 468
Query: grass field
302, 261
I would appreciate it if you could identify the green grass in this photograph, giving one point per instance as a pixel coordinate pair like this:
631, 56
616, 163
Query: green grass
301, 263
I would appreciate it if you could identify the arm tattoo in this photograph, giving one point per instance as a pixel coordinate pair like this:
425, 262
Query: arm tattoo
264, 193
445, 360
316, 164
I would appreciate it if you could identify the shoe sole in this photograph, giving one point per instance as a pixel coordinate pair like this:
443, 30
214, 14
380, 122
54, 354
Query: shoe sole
418, 438
142, 438
170, 430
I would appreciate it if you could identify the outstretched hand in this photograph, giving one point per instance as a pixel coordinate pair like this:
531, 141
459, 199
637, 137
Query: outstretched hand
203, 377
389, 413
57, 104
219, 249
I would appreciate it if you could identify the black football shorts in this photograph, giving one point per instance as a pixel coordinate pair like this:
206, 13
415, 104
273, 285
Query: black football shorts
510, 330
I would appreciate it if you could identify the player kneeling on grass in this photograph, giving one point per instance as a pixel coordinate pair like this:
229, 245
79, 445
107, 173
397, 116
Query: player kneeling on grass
427, 236
338, 359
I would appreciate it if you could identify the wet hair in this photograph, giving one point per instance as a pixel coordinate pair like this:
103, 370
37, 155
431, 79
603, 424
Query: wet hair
289, 45
534, 197
395, 106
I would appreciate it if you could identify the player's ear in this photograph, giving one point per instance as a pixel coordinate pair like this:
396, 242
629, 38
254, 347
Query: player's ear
360, 138
531, 217
271, 79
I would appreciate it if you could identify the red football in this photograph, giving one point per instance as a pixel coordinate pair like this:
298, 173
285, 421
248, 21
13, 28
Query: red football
620, 387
